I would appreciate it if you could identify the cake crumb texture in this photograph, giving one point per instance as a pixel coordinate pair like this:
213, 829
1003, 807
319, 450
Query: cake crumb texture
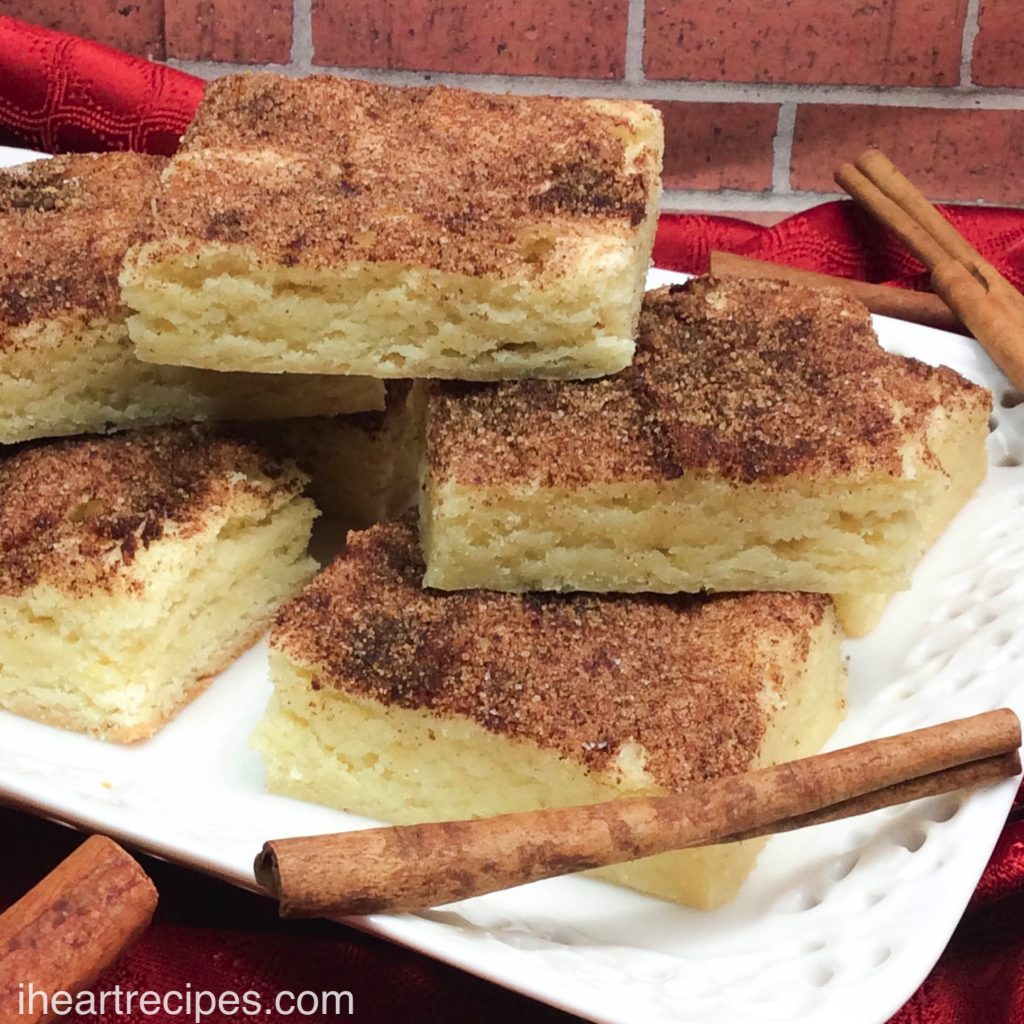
411, 705
68, 365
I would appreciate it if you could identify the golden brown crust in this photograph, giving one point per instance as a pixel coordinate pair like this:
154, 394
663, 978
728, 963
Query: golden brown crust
581, 674
66, 225
320, 171
750, 380
74, 513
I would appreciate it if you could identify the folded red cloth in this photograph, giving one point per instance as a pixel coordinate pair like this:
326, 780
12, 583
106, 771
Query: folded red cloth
837, 238
59, 93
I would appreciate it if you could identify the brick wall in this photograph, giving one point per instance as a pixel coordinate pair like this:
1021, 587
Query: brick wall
762, 98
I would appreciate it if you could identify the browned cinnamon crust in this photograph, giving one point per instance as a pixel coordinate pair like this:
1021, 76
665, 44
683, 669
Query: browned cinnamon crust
75, 513
581, 674
750, 380
66, 224
323, 170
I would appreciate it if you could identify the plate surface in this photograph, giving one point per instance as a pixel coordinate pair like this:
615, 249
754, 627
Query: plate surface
839, 923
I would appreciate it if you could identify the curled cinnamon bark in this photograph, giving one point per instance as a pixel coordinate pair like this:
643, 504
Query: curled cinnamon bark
416, 866
64, 933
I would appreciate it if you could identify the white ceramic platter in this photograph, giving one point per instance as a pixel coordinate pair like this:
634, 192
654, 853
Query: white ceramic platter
836, 924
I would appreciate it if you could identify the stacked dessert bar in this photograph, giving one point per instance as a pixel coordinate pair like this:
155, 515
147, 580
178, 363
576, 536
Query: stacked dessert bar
638, 515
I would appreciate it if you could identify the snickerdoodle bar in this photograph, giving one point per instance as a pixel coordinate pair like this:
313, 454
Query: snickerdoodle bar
412, 705
67, 365
134, 567
762, 440
326, 225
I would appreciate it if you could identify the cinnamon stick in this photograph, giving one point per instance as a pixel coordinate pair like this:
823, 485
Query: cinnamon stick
64, 933
985, 316
915, 237
993, 311
415, 866
901, 303
887, 177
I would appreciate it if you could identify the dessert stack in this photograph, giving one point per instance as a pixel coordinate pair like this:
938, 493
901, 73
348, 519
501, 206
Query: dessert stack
638, 515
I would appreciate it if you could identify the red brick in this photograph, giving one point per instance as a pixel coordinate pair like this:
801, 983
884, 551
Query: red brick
241, 31
850, 42
132, 25
963, 155
571, 38
999, 46
719, 145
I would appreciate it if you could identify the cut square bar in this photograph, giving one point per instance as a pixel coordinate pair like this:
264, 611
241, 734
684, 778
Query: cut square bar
67, 365
325, 225
412, 705
762, 440
135, 567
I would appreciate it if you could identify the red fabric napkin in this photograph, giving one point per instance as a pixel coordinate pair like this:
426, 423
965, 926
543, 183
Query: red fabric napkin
837, 238
59, 93
62, 94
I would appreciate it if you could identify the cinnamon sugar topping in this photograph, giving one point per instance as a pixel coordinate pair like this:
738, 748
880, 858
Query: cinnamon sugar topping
751, 380
66, 225
75, 513
585, 675
323, 170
